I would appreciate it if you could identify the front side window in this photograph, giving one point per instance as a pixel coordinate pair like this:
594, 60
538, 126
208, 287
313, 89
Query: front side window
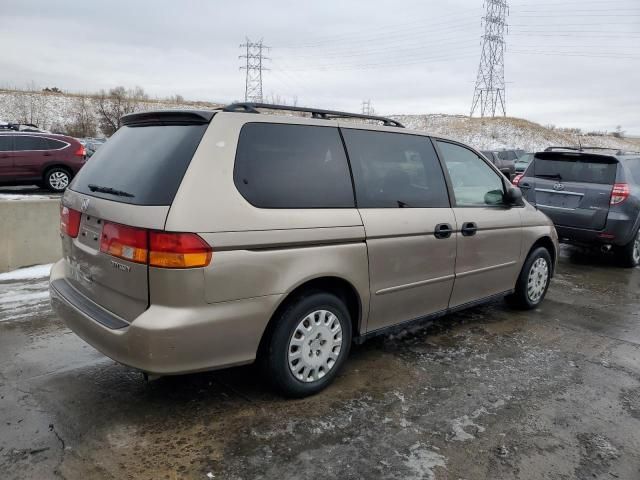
6, 143
292, 166
395, 170
474, 182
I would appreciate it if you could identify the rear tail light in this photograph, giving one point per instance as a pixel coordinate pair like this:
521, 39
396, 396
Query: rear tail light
125, 242
69, 221
157, 249
178, 250
619, 193
80, 151
516, 179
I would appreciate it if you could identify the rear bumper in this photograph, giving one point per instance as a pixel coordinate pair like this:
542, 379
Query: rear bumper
167, 340
619, 230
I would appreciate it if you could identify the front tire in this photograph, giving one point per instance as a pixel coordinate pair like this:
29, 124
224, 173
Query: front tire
57, 179
533, 282
309, 344
629, 254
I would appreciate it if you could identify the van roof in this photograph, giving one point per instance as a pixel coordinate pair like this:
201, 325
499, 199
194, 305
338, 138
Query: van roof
177, 117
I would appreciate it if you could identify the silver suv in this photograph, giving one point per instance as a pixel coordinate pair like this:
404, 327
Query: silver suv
196, 240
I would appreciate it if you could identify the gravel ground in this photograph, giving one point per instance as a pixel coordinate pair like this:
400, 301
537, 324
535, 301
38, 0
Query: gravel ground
487, 393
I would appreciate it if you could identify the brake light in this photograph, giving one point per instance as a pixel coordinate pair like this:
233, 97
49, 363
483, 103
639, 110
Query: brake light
178, 250
69, 221
80, 151
125, 242
517, 178
619, 193
157, 249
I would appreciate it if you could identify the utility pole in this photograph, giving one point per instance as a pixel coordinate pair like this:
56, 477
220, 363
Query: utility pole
254, 66
489, 92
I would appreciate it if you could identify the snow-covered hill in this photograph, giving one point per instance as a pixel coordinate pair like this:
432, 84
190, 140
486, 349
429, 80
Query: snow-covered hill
55, 110
507, 132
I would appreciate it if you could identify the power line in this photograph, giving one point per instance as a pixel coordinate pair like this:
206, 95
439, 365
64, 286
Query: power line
254, 66
489, 92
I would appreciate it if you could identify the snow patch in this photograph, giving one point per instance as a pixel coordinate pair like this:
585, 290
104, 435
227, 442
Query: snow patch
421, 461
37, 271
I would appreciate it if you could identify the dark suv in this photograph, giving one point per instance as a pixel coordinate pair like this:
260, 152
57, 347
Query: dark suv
591, 194
47, 160
504, 163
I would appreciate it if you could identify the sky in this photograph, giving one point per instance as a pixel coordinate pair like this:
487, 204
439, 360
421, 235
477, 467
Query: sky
567, 63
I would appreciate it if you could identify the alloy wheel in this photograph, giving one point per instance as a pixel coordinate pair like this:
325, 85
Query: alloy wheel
59, 180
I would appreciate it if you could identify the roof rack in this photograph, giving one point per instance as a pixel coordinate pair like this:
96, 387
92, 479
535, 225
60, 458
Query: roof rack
577, 149
20, 127
315, 112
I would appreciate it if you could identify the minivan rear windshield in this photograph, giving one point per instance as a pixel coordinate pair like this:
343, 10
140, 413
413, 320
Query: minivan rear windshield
141, 165
575, 168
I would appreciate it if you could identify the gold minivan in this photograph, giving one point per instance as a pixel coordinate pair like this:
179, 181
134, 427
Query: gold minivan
195, 240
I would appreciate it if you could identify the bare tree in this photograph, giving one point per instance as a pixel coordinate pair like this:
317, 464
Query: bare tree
83, 119
29, 107
119, 101
619, 133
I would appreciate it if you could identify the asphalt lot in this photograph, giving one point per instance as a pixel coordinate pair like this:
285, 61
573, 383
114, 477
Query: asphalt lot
487, 393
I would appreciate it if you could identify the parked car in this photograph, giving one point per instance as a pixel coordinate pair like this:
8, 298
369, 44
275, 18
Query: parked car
91, 145
523, 162
592, 196
44, 159
507, 167
196, 240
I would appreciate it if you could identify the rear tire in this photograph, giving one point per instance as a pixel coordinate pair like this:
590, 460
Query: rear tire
308, 345
533, 282
57, 179
629, 255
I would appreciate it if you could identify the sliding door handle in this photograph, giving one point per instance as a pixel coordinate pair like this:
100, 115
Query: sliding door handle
443, 230
469, 229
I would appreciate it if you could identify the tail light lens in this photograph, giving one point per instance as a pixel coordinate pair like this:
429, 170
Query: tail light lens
157, 249
619, 193
69, 221
80, 151
516, 179
178, 250
125, 242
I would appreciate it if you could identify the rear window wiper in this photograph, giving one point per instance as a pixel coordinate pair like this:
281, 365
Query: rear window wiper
549, 175
112, 191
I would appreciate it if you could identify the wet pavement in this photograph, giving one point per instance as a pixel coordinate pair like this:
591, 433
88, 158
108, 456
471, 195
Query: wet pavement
487, 393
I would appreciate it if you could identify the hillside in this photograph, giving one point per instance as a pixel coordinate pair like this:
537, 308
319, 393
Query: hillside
507, 132
56, 110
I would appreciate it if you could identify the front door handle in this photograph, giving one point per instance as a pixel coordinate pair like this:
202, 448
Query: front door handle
469, 229
443, 230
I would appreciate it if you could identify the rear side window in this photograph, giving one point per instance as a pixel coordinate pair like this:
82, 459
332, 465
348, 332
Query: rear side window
292, 166
56, 144
6, 143
395, 170
507, 155
634, 168
24, 143
141, 165
571, 168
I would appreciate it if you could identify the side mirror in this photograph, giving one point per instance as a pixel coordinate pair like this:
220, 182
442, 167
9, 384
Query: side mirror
513, 197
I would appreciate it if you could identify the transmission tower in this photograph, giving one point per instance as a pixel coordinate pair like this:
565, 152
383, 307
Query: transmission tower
489, 92
366, 107
254, 67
